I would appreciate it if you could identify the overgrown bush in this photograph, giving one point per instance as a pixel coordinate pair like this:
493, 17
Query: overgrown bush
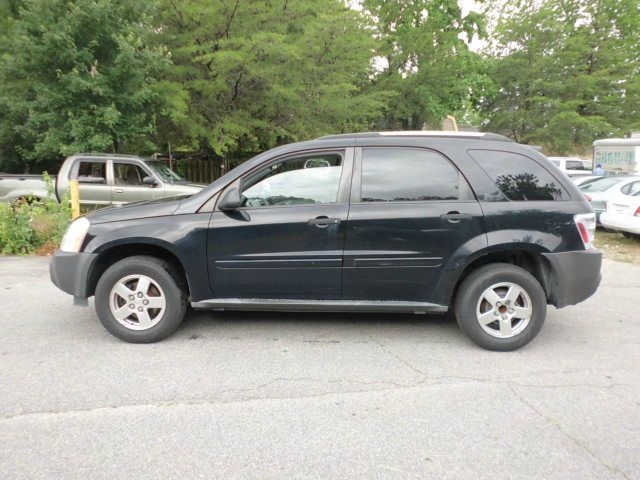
36, 225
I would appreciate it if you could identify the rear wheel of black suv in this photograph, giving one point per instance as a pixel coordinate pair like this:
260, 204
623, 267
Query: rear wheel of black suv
141, 299
500, 307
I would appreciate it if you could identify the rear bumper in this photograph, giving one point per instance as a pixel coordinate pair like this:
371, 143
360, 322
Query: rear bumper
625, 223
574, 276
70, 272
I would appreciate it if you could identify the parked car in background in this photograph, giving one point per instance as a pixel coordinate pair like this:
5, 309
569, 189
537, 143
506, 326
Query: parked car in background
623, 214
603, 189
419, 222
583, 179
104, 180
572, 166
22, 187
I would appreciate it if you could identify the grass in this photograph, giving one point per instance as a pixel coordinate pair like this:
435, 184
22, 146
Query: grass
618, 247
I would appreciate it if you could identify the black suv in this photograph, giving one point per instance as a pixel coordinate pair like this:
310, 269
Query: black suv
417, 222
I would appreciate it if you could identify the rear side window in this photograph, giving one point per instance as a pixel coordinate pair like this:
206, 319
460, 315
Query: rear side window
407, 175
519, 177
92, 172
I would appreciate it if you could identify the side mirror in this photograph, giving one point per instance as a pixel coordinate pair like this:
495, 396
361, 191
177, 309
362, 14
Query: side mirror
231, 199
149, 180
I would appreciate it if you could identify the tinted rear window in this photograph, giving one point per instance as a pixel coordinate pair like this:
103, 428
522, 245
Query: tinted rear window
407, 174
519, 177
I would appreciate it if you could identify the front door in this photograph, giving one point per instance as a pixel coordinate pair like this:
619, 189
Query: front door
128, 186
287, 240
411, 212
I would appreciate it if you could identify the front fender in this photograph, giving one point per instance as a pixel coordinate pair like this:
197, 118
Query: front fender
183, 236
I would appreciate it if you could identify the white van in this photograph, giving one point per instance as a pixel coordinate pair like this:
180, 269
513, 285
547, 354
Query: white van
618, 156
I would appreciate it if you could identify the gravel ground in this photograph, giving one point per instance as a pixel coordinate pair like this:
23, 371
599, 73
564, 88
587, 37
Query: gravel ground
256, 395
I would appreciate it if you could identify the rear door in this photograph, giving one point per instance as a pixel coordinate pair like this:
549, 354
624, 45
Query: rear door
411, 212
91, 174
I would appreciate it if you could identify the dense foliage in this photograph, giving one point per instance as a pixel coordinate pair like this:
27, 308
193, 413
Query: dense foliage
76, 76
566, 72
229, 78
426, 65
249, 75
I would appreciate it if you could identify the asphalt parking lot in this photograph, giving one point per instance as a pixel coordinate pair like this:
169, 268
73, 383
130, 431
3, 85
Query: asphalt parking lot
256, 395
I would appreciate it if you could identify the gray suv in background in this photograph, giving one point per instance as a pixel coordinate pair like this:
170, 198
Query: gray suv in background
105, 180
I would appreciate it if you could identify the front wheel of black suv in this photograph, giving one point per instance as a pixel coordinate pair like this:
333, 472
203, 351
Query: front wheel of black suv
500, 307
141, 299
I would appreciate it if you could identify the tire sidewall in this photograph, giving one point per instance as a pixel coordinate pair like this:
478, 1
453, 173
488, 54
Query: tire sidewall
469, 295
161, 273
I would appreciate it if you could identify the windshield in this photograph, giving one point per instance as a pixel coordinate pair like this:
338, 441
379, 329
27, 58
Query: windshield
600, 184
164, 172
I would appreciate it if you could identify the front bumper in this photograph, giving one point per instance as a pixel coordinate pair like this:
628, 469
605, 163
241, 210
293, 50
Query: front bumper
574, 276
70, 272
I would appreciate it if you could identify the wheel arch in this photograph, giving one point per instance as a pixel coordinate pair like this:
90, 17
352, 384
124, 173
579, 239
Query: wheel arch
531, 260
110, 254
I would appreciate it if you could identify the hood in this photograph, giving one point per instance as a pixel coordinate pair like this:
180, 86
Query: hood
199, 186
131, 211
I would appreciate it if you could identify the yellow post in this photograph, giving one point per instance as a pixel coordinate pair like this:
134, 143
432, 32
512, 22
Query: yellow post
75, 198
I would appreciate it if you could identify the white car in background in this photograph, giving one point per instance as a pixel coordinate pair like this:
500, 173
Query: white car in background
584, 179
573, 166
623, 214
604, 189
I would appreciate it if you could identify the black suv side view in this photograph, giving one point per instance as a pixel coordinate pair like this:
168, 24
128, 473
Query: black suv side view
419, 222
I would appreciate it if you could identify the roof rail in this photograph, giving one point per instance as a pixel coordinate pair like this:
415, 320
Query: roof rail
422, 133
117, 155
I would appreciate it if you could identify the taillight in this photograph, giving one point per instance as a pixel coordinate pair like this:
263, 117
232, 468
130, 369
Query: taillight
587, 197
586, 225
637, 214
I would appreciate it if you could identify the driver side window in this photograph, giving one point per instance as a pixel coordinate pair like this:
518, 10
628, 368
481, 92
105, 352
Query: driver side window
128, 174
312, 179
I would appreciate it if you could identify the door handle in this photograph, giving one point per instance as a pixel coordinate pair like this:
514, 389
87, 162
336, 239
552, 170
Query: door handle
455, 217
323, 222
119, 190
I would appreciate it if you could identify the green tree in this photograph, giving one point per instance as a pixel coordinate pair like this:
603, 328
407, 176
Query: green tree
251, 75
566, 72
425, 61
76, 76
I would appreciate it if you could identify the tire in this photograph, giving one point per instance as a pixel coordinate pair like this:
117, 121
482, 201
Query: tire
512, 327
146, 279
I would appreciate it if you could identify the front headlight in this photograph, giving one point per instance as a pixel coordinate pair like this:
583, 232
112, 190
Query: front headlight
72, 241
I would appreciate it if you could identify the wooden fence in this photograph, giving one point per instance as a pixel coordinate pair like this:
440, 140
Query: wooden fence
200, 171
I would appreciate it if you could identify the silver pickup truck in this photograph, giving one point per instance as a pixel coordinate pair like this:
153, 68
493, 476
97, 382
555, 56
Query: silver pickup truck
104, 179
